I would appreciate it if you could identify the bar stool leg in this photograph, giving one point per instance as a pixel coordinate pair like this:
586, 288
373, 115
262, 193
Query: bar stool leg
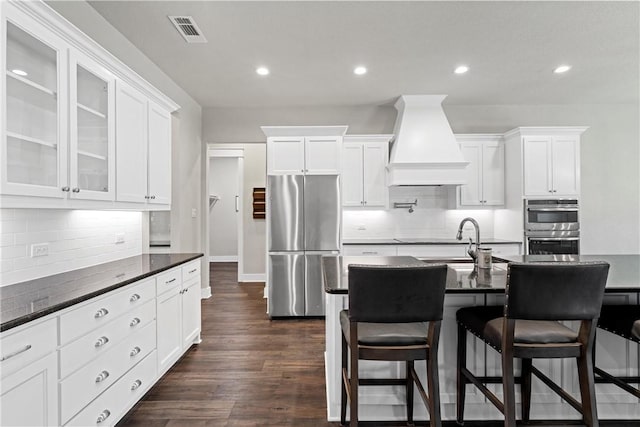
354, 381
507, 374
587, 390
525, 389
460, 378
343, 395
409, 391
433, 385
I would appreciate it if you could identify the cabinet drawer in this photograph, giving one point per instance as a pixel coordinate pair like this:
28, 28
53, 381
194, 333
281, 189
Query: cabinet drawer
432, 250
18, 349
86, 383
369, 250
112, 404
191, 270
169, 280
81, 351
103, 310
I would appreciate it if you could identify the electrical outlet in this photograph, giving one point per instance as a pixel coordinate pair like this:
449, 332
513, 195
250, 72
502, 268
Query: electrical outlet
361, 227
119, 238
194, 213
39, 249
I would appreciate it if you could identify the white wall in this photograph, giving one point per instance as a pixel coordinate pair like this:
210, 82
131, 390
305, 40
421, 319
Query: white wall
76, 239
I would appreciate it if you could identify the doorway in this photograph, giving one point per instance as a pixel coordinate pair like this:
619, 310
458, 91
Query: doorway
225, 191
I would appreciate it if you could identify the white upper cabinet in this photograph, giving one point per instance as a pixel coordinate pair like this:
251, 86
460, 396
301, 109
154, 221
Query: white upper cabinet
159, 154
364, 161
299, 150
551, 165
285, 156
131, 144
34, 126
303, 155
92, 130
60, 123
485, 172
143, 149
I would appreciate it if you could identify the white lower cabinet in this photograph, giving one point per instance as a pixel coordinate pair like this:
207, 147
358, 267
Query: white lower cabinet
29, 374
178, 308
90, 363
120, 397
29, 397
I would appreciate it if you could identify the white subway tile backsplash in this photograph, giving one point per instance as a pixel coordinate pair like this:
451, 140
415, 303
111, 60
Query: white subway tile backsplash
76, 239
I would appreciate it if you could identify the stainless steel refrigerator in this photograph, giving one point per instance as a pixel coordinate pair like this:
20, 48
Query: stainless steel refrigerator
303, 221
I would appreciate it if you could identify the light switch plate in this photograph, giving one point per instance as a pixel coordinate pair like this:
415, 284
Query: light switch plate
119, 238
194, 212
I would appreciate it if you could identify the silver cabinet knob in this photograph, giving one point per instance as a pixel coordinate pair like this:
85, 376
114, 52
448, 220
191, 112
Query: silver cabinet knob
102, 376
136, 350
134, 322
103, 416
134, 298
76, 190
101, 341
153, 197
136, 384
101, 313
66, 189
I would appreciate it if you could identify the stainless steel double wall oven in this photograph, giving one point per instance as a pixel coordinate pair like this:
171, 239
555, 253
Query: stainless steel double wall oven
552, 227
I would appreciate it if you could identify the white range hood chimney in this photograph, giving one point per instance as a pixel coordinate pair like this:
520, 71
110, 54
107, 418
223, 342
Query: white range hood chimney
424, 152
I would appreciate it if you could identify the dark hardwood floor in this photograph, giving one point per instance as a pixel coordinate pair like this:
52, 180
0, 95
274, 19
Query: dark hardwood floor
248, 370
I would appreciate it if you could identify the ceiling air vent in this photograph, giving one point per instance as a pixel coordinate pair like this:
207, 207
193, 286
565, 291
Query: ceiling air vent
189, 30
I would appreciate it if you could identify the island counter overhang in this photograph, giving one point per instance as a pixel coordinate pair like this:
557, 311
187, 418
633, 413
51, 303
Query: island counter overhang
387, 403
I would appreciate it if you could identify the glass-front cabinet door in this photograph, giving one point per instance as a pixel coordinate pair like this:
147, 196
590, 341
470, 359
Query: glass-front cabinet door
34, 138
92, 131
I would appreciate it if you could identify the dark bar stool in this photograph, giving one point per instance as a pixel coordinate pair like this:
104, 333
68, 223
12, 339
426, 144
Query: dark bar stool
538, 296
394, 314
622, 320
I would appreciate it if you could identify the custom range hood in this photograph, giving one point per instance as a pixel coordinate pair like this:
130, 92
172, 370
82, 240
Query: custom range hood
424, 152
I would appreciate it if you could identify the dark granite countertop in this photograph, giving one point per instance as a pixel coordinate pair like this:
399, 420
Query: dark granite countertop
624, 272
23, 302
421, 241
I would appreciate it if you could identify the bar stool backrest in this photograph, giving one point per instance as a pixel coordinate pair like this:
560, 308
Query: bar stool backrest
396, 294
555, 290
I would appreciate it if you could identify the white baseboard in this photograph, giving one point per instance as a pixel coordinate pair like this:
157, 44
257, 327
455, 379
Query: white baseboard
205, 292
265, 294
256, 277
224, 258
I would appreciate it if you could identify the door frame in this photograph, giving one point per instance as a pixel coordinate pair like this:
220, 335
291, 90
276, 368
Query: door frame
239, 154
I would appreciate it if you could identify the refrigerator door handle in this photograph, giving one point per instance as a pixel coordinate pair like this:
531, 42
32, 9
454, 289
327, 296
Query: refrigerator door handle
237, 203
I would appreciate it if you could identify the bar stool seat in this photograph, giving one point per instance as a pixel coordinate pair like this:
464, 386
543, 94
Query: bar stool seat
624, 321
394, 314
538, 296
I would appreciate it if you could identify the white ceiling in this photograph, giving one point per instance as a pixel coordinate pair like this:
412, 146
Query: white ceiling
312, 47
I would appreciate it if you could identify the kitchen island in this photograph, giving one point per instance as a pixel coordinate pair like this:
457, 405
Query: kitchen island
467, 287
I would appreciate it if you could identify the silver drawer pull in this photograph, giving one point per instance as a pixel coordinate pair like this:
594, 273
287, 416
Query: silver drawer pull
193, 271
15, 353
134, 298
102, 376
103, 416
102, 341
170, 281
135, 351
134, 322
369, 253
136, 384
101, 313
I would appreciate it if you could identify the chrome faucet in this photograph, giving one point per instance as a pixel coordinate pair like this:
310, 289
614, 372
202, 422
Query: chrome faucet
472, 253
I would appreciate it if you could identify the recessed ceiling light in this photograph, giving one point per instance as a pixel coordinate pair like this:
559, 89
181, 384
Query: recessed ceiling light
19, 72
562, 69
360, 70
263, 71
461, 69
